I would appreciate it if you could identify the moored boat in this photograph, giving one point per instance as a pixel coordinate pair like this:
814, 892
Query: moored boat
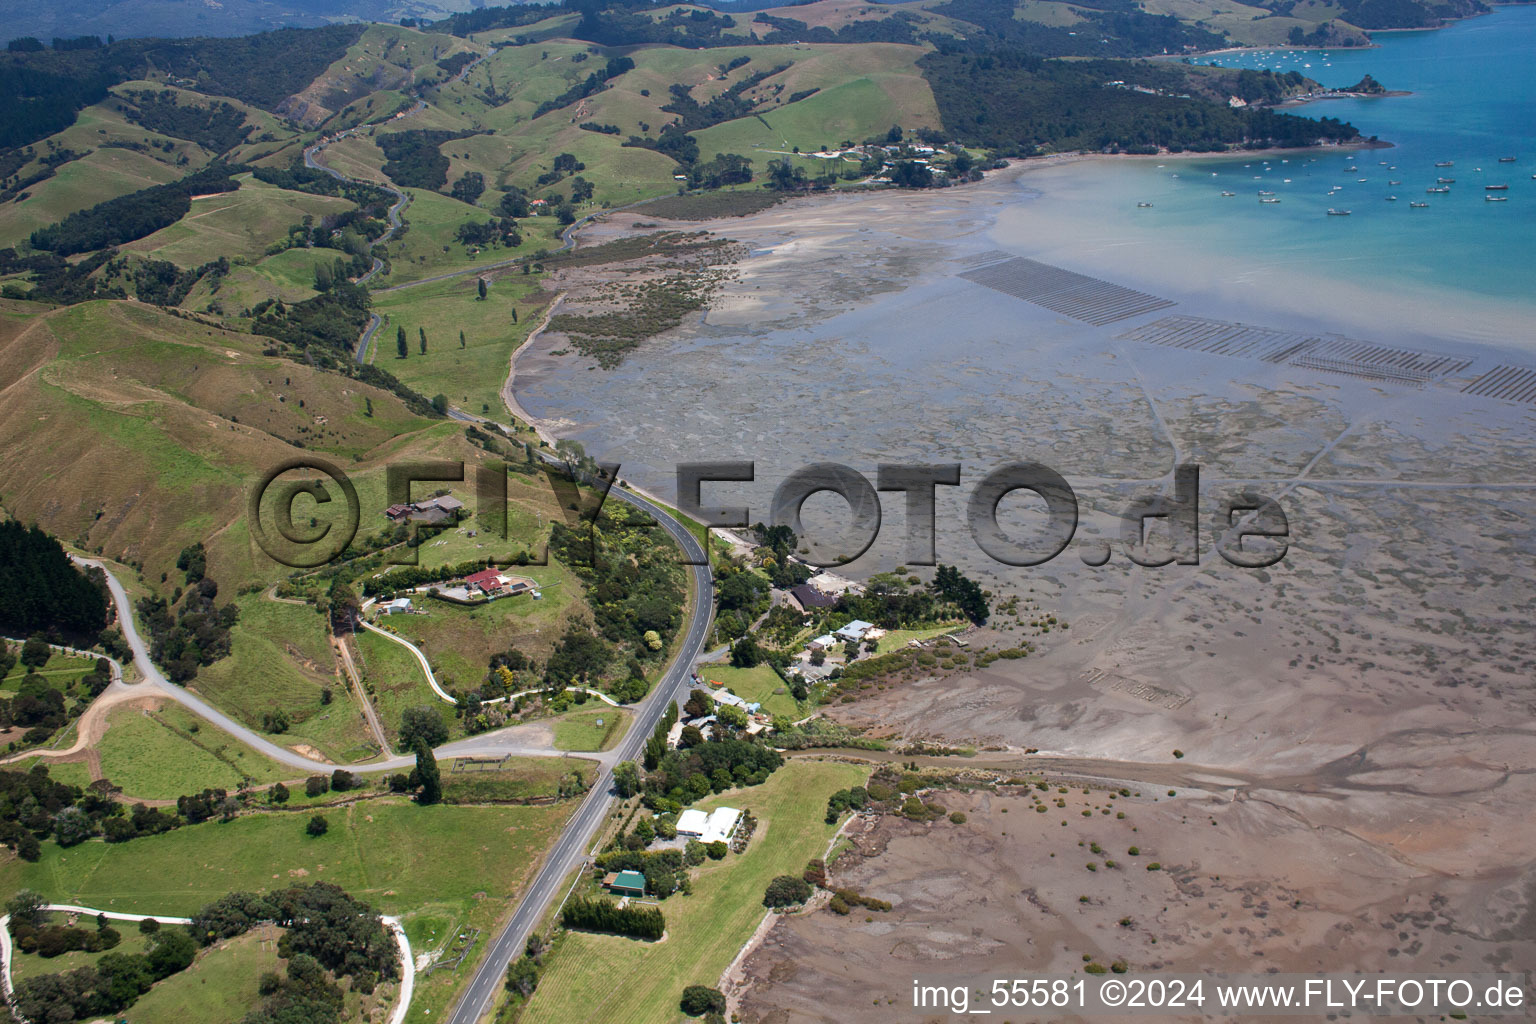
1497, 199
1338, 213
1496, 188
1417, 206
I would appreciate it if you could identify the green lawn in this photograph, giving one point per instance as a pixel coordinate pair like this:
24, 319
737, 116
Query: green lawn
240, 223
590, 730
62, 671
899, 638
171, 752
280, 660
460, 864
429, 248
621, 981
389, 851
30, 965
471, 377
219, 987
759, 683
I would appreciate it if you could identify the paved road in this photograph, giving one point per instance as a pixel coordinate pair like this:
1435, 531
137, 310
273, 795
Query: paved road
571, 850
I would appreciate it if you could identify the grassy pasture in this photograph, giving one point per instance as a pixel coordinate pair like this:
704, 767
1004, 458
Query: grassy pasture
609, 978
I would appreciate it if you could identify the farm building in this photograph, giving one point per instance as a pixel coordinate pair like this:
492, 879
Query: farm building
398, 606
625, 883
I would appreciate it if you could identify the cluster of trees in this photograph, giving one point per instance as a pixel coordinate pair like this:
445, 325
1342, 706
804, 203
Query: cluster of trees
897, 28
634, 585
42, 91
741, 596
594, 82
679, 777
109, 986
163, 283
298, 178
786, 891
599, 915
724, 169
343, 935
693, 116
192, 633
1016, 102
702, 1001
134, 215
496, 231
854, 799
414, 158
217, 127
38, 705
965, 593
40, 588
1113, 28
665, 871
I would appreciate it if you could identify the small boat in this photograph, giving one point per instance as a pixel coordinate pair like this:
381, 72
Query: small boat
1394, 183
1506, 159
1446, 163
1445, 181
1269, 200
1417, 206
1496, 188
1142, 206
1262, 192
1351, 169
1432, 191
1337, 213
1391, 199
1497, 199
1360, 180
1229, 194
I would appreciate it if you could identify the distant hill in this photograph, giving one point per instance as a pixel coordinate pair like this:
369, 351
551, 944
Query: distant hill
172, 19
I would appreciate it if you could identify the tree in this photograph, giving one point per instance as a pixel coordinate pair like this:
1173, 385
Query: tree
422, 723
786, 891
422, 333
461, 339
427, 776
440, 403
746, 653
514, 308
26, 907
317, 826
400, 346
278, 794
35, 652
72, 826
173, 951
626, 779
480, 290
342, 780
523, 976
700, 999
316, 785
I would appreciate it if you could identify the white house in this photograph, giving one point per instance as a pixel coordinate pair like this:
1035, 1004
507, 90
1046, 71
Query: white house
727, 697
825, 642
398, 606
855, 630
716, 827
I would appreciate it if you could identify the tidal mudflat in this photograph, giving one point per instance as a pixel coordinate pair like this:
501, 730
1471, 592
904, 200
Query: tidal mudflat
1359, 719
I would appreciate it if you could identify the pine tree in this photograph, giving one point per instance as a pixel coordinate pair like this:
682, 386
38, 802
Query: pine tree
514, 314
368, 403
461, 339
400, 345
426, 775
422, 331
481, 288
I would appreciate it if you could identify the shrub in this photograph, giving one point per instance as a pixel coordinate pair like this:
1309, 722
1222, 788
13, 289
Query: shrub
1095, 968
700, 999
316, 785
1154, 866
716, 850
786, 891
317, 826
958, 818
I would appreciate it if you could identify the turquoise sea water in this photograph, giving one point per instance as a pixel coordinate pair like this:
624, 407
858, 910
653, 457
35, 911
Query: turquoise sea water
1473, 101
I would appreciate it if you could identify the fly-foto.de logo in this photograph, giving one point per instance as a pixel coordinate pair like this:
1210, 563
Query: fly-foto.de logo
306, 512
